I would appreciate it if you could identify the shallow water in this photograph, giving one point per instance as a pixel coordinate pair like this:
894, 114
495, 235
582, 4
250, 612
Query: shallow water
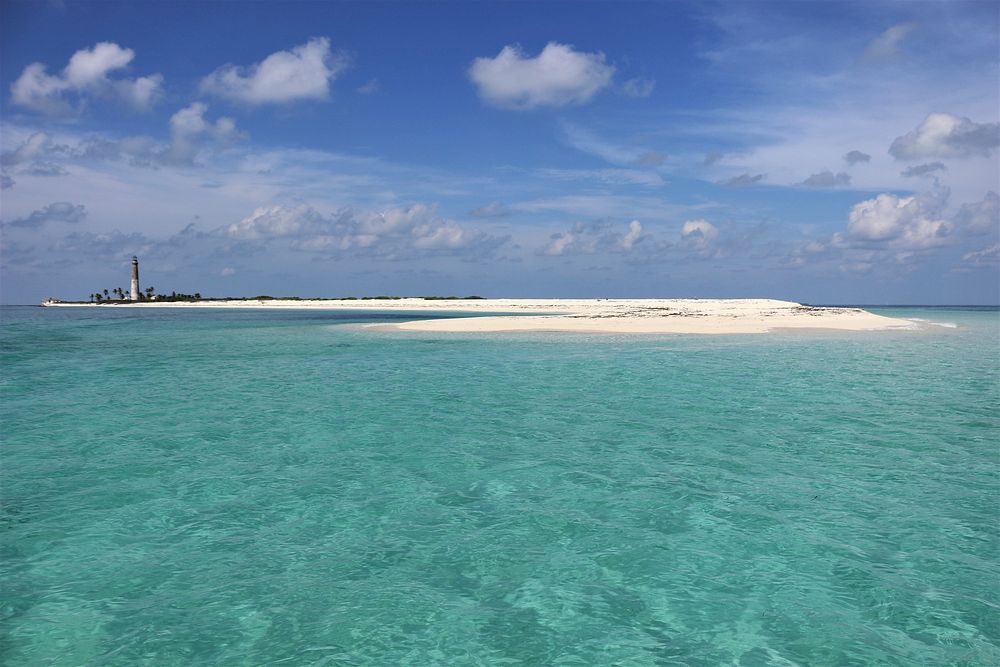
269, 487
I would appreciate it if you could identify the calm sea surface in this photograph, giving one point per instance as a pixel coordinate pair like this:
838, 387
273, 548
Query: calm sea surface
271, 488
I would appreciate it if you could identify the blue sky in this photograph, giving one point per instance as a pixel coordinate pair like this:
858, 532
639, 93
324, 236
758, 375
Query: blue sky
820, 152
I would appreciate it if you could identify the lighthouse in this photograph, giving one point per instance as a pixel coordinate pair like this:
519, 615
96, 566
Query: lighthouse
134, 293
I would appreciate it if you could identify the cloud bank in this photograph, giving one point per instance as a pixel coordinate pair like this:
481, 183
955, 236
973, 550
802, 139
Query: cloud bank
392, 234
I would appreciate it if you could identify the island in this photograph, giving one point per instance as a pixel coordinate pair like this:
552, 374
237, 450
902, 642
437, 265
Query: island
609, 316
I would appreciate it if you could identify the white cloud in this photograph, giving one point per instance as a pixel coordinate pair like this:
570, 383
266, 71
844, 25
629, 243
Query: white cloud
699, 233
587, 238
141, 93
986, 256
558, 76
87, 68
945, 135
901, 223
639, 87
35, 89
304, 72
86, 74
888, 45
188, 126
228, 271
632, 236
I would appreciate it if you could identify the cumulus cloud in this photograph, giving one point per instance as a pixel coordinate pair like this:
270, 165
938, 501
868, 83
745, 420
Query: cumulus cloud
902, 223
189, 125
699, 234
827, 179
982, 216
632, 236
923, 169
491, 210
948, 136
393, 233
712, 158
85, 74
228, 271
303, 73
557, 77
888, 45
638, 87
587, 238
857, 157
56, 212
742, 180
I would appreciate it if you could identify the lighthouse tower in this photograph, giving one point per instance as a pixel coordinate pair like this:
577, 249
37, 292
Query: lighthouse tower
134, 293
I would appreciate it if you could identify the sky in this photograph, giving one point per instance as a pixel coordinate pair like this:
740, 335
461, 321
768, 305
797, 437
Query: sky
822, 152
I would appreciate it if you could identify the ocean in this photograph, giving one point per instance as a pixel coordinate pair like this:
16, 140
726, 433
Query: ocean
240, 487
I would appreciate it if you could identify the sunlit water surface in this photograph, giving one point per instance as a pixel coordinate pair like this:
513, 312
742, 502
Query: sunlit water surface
266, 488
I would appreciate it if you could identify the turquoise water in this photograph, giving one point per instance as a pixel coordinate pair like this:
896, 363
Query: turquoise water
273, 488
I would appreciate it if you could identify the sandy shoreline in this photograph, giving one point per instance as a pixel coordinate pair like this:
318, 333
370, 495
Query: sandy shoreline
619, 316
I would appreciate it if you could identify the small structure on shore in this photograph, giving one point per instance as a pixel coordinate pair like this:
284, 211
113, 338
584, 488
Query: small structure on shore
134, 292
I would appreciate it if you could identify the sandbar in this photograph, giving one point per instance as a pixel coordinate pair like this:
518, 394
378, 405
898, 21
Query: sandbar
612, 316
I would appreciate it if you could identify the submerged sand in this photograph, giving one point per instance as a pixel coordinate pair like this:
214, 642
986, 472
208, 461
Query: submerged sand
618, 316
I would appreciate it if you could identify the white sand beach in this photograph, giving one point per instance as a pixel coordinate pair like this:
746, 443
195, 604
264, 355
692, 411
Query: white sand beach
616, 316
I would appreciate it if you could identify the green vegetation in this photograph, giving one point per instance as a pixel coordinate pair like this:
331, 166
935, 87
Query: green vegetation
451, 298
118, 295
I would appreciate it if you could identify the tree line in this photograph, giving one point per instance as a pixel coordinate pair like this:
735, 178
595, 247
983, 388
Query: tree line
149, 294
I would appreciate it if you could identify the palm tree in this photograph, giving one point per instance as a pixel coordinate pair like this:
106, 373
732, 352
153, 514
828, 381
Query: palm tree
106, 294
